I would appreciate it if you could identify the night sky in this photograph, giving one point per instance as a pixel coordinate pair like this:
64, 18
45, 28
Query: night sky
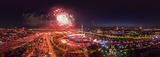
90, 13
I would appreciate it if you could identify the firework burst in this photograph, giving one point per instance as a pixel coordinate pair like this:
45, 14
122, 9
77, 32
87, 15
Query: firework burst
63, 19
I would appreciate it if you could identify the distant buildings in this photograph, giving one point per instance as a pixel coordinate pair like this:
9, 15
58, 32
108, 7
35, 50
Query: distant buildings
124, 31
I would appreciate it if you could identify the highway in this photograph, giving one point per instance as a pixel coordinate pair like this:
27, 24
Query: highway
50, 47
15, 44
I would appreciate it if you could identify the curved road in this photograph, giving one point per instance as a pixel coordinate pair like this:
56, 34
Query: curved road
50, 46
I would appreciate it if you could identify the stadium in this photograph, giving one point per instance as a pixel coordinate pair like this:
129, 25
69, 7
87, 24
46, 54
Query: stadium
78, 40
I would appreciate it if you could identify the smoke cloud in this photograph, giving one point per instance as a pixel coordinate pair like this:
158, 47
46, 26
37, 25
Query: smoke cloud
33, 19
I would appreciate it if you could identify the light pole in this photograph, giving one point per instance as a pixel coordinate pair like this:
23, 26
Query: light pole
82, 34
84, 48
82, 28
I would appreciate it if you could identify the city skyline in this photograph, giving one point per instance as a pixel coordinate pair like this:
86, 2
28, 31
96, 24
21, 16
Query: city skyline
77, 28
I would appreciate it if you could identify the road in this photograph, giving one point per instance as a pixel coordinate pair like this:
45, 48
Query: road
14, 44
50, 47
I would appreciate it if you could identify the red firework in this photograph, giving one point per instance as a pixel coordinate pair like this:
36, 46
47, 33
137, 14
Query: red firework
63, 19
